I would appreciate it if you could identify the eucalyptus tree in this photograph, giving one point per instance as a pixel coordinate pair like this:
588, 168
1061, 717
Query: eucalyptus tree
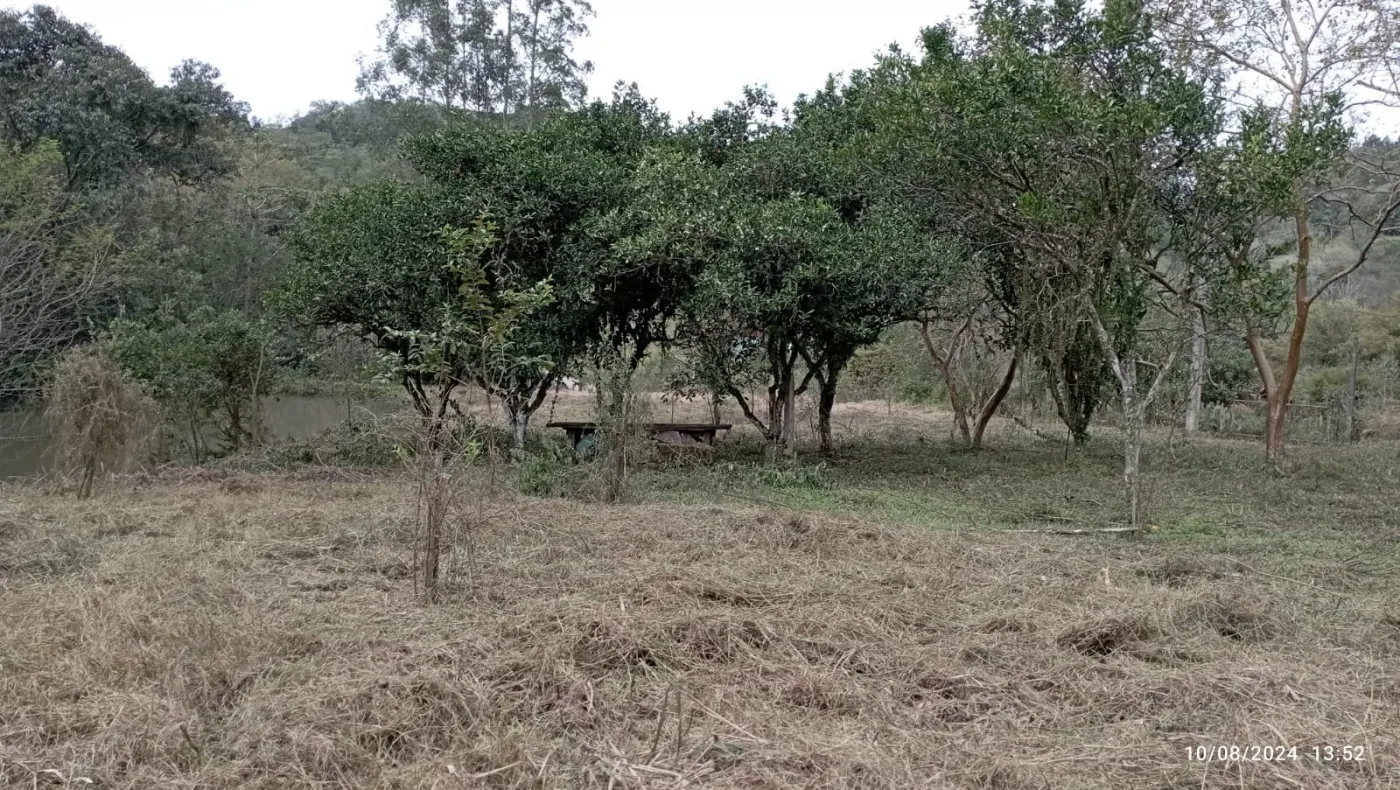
497, 58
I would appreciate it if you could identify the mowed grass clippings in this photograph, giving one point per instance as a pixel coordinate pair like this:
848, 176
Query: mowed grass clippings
262, 632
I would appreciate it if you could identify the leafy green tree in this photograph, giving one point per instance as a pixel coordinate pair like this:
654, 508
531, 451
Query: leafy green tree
1305, 65
368, 259
482, 337
58, 81
541, 190
372, 257
200, 367
1064, 132
778, 292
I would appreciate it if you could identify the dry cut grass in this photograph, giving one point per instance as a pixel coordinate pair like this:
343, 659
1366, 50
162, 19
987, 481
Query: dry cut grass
261, 632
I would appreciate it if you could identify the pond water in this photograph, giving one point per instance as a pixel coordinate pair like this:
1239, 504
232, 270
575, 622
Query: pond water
24, 436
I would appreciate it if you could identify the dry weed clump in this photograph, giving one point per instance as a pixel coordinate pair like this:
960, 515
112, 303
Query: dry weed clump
266, 634
100, 418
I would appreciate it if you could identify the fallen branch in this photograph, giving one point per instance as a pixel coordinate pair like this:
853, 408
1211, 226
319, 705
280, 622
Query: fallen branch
1106, 531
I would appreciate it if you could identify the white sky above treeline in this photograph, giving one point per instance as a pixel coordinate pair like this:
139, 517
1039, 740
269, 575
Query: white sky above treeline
690, 55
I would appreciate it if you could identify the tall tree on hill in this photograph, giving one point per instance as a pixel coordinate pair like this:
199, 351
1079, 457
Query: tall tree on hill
496, 58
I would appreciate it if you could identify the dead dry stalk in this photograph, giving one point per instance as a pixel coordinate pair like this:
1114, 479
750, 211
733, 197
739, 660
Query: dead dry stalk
99, 417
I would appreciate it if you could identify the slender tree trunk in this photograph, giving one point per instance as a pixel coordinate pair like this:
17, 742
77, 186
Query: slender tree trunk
518, 417
1061, 392
508, 78
946, 370
989, 409
534, 63
1133, 417
89, 474
790, 413
955, 402
1134, 413
826, 404
1197, 376
774, 430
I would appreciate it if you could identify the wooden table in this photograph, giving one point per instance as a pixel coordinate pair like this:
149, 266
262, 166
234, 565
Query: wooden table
700, 432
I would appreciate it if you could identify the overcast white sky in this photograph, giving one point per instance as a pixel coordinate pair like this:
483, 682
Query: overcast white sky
690, 55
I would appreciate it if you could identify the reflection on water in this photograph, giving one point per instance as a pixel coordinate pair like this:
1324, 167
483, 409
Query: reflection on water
24, 441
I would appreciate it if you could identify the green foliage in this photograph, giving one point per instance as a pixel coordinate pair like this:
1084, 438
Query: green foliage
357, 445
372, 258
199, 367
787, 474
1231, 375
736, 219
550, 470
59, 81
896, 368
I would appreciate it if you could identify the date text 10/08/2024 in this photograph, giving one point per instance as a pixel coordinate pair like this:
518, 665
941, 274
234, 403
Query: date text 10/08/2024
1274, 754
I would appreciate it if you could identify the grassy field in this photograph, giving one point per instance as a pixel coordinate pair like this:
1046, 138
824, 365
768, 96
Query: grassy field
897, 616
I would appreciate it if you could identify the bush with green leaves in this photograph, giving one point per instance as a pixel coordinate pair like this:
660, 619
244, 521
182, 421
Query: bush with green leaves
204, 368
550, 470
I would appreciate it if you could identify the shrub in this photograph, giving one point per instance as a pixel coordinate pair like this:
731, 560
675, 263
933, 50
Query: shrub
549, 470
200, 368
99, 416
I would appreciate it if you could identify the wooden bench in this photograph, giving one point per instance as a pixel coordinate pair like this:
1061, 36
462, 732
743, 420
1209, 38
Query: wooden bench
701, 433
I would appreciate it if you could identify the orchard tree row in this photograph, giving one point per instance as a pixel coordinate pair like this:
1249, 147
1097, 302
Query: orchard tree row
1108, 195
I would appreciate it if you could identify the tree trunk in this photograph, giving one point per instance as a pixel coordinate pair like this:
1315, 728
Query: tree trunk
1197, 376
824, 408
790, 414
955, 402
509, 76
1276, 395
1133, 417
945, 364
1134, 413
989, 409
518, 417
89, 474
1275, 426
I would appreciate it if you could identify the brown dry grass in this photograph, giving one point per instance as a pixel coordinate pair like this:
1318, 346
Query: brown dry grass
229, 630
